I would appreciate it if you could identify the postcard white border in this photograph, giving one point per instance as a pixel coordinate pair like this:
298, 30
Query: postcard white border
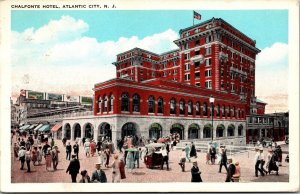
5, 86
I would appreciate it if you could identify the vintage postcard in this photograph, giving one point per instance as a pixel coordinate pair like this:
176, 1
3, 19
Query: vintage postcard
153, 96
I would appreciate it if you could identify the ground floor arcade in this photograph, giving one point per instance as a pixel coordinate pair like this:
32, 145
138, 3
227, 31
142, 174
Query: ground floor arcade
117, 126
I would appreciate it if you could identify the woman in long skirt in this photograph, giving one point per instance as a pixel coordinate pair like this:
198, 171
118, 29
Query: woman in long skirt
48, 159
34, 155
130, 161
101, 156
107, 154
39, 154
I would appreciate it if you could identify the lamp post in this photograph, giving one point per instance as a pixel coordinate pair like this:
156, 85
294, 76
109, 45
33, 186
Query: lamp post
212, 100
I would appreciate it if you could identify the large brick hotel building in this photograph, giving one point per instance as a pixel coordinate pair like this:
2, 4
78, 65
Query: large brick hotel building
154, 95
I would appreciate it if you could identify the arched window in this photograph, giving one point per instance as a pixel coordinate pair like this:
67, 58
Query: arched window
220, 130
125, 102
190, 107
99, 104
223, 110
207, 131
230, 130
198, 108
228, 112
105, 103
204, 109
160, 105
172, 106
218, 110
181, 107
240, 130
136, 103
111, 103
151, 104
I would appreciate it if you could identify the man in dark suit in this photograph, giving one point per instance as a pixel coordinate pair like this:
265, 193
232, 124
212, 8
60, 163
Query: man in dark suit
230, 171
99, 175
73, 168
68, 151
76, 149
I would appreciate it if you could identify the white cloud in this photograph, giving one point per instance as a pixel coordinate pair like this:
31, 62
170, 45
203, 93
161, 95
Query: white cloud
273, 57
58, 57
272, 77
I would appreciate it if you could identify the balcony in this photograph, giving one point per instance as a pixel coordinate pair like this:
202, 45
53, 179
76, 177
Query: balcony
238, 71
198, 58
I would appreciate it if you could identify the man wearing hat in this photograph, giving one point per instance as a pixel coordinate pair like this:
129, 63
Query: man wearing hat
99, 175
73, 168
257, 162
223, 160
21, 156
195, 172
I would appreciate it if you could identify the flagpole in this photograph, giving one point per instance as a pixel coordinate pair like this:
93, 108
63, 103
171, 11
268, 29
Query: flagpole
193, 18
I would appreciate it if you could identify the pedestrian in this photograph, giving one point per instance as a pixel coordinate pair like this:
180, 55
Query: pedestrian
107, 156
83, 141
21, 156
230, 171
279, 154
223, 160
99, 144
182, 160
187, 152
101, 156
130, 161
73, 168
34, 155
116, 169
93, 148
262, 161
193, 152
76, 149
212, 152
122, 168
28, 159
68, 151
85, 178
86, 146
45, 148
52, 142
237, 174
64, 141
39, 154
137, 157
257, 162
196, 173
272, 164
207, 158
54, 154
48, 159
165, 159
16, 150
99, 175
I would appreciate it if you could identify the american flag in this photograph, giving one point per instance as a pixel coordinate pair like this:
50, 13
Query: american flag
197, 16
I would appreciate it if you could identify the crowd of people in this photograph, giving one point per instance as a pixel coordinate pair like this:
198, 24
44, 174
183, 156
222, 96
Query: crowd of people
131, 149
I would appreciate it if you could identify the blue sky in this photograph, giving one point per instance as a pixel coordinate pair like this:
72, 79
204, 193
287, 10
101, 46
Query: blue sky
110, 25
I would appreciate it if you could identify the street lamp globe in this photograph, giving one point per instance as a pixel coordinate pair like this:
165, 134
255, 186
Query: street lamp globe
211, 99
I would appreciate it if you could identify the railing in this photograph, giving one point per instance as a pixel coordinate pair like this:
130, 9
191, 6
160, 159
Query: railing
60, 116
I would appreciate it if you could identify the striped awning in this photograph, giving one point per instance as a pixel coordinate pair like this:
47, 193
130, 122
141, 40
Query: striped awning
24, 127
44, 128
56, 127
32, 126
37, 127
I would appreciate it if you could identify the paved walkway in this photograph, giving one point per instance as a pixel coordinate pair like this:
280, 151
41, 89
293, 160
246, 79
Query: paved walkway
145, 175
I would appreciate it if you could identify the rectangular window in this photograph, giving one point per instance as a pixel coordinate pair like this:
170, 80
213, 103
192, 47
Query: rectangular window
187, 77
187, 56
186, 46
222, 73
174, 63
197, 75
174, 71
208, 84
208, 51
197, 84
197, 43
187, 67
197, 64
197, 52
208, 73
208, 39
208, 62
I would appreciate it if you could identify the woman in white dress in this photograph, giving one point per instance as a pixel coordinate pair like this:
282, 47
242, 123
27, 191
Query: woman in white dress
101, 157
87, 147
116, 169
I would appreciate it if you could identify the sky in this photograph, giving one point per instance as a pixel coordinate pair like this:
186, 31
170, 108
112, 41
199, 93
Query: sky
69, 51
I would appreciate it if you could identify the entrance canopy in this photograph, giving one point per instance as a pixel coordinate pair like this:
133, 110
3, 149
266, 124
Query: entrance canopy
56, 127
177, 125
37, 127
44, 128
24, 127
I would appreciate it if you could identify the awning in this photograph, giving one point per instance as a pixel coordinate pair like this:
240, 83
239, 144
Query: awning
56, 127
32, 126
37, 127
24, 127
44, 128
